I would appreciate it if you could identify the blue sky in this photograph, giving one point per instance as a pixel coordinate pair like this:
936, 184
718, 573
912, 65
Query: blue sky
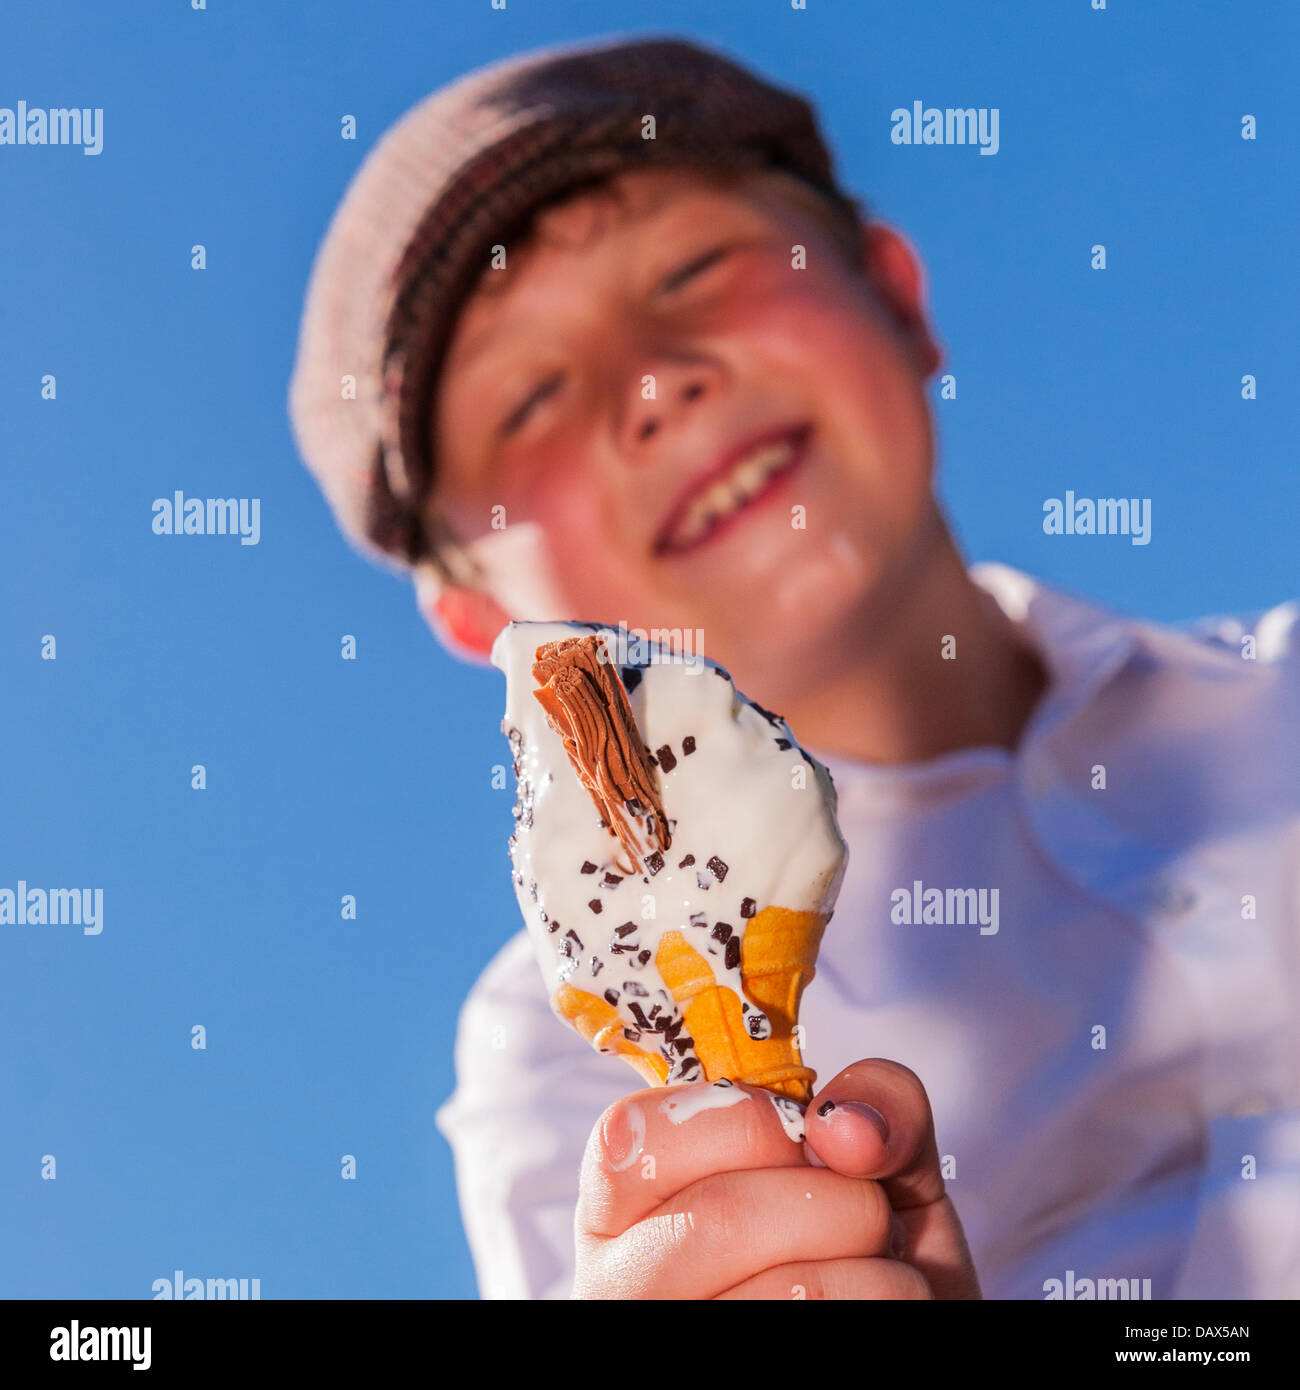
372, 777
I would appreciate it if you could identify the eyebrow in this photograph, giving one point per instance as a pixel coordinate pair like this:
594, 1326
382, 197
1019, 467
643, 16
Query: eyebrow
475, 345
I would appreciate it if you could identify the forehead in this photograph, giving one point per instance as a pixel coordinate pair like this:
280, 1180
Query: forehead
648, 204
653, 200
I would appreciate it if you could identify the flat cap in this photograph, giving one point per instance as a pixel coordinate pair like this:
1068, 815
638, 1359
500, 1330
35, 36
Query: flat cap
466, 169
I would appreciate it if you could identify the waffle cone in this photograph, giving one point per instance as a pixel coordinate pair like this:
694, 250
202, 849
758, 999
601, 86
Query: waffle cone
778, 955
777, 959
599, 1023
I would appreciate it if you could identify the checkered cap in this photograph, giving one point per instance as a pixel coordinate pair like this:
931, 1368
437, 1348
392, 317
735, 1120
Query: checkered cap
463, 170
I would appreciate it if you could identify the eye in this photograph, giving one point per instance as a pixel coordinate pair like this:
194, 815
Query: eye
521, 412
694, 267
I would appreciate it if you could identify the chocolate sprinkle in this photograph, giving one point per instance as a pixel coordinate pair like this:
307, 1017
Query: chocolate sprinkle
588, 867
826, 1107
703, 882
721, 932
626, 929
732, 958
554, 926
632, 1035
783, 743
654, 862
717, 868
611, 996
767, 713
643, 957
688, 745
636, 989
687, 862
611, 880
631, 677
594, 904
597, 965
699, 919
747, 906
667, 758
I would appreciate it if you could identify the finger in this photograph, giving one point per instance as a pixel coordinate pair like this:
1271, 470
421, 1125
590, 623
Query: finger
844, 1125
873, 1120
835, 1279
727, 1227
653, 1143
936, 1244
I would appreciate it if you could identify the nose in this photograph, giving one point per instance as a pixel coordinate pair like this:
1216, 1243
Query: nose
663, 395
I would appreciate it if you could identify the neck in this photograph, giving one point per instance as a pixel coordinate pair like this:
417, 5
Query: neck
901, 700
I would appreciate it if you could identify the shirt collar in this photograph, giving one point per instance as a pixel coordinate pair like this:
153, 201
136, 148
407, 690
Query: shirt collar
1083, 647
1082, 644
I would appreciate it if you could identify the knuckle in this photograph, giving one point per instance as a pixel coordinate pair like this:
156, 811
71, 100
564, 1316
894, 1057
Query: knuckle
909, 1079
721, 1202
874, 1210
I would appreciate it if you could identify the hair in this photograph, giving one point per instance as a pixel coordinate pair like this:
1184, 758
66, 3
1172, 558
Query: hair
839, 216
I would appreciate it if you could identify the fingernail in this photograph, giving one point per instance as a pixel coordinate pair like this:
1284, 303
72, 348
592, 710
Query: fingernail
868, 1112
897, 1237
623, 1133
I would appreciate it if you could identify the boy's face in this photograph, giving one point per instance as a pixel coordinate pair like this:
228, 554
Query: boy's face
601, 385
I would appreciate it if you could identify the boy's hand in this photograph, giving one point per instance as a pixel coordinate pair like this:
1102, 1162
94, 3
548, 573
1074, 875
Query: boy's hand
724, 1205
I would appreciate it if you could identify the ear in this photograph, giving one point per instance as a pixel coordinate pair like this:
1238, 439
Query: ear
897, 273
465, 621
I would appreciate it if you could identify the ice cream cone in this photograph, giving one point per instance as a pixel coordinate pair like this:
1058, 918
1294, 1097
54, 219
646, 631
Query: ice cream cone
658, 810
600, 1024
778, 956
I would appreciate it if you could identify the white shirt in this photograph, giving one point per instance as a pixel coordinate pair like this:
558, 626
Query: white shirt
1114, 1072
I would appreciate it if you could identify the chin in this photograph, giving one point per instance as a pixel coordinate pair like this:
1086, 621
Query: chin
784, 633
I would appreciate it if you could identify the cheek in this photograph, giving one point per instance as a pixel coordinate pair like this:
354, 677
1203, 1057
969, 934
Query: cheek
857, 378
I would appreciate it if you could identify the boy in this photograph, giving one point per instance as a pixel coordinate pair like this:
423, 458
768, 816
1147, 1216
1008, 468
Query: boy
578, 291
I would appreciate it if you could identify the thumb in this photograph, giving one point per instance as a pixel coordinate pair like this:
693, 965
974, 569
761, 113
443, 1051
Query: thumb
873, 1120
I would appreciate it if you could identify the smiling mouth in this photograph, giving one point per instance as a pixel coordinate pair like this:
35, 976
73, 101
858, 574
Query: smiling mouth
733, 488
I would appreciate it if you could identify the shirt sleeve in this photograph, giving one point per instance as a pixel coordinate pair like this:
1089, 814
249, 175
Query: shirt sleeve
528, 1092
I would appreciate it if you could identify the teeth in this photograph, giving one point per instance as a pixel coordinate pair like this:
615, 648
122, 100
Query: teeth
746, 476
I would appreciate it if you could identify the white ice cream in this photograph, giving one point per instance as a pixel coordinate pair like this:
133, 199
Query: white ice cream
752, 820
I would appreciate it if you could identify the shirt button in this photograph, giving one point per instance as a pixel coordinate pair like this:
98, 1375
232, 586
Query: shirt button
1173, 899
